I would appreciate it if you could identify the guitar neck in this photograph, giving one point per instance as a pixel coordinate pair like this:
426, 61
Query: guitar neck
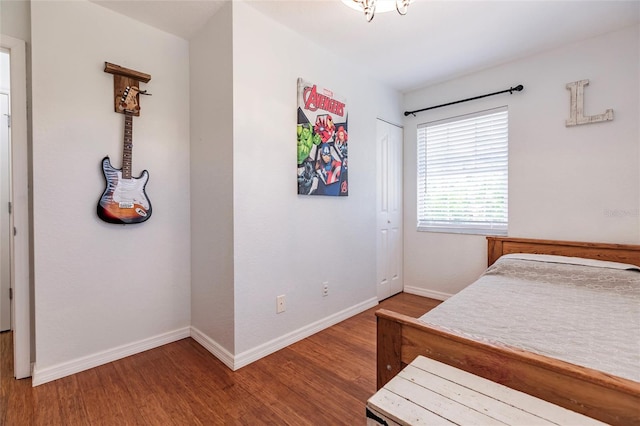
127, 149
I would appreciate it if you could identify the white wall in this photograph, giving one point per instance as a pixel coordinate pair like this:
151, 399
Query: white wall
102, 287
286, 244
14, 19
103, 291
571, 183
211, 69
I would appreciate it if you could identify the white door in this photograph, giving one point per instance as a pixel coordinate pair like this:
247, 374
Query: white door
389, 210
5, 221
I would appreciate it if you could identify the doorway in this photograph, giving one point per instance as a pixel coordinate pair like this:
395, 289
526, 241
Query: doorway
389, 145
19, 230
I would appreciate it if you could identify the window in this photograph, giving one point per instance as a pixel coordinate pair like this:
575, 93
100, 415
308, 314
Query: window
463, 174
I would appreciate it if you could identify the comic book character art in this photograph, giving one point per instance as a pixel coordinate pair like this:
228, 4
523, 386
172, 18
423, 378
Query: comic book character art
322, 142
341, 142
341, 147
307, 178
306, 141
324, 128
327, 167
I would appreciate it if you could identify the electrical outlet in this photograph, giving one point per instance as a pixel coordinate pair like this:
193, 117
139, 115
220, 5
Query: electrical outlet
280, 304
325, 288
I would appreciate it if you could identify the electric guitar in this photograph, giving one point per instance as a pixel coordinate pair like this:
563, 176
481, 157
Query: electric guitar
124, 200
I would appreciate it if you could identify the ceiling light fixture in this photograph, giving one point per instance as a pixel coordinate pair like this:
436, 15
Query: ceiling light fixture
370, 7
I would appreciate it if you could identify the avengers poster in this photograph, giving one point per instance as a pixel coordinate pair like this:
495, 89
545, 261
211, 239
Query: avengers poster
322, 141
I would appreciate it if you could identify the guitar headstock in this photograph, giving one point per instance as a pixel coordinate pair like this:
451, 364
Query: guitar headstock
129, 100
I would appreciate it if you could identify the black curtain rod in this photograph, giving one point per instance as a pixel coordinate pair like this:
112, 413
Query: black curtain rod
518, 88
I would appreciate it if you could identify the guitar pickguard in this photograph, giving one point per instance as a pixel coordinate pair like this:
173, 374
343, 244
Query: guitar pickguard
123, 200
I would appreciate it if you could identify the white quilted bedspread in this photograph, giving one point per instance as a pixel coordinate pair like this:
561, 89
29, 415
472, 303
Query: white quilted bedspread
584, 315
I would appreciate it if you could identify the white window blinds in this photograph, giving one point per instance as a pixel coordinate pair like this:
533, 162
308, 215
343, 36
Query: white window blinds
463, 174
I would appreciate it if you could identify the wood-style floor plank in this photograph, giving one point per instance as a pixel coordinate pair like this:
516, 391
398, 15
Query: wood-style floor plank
324, 379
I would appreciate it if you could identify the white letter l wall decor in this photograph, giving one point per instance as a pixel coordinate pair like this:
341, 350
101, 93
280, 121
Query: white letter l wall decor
577, 106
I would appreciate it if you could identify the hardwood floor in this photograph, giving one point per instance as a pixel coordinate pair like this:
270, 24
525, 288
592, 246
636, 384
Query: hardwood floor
322, 380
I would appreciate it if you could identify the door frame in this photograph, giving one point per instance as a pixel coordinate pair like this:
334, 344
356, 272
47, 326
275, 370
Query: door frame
20, 198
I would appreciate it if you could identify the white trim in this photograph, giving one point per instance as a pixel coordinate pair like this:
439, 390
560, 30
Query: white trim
431, 294
251, 355
77, 365
20, 198
247, 357
64, 369
212, 346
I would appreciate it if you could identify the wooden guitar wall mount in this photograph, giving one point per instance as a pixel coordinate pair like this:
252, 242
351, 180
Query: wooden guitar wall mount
123, 78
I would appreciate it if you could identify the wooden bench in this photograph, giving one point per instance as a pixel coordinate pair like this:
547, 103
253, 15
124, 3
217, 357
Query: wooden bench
428, 392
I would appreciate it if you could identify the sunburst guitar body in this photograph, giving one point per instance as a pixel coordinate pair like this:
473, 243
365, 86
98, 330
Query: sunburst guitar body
124, 199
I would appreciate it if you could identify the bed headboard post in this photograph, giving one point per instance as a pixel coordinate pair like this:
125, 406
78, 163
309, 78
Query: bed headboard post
494, 250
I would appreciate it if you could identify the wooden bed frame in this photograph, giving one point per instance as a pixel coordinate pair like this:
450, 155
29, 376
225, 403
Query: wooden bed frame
608, 398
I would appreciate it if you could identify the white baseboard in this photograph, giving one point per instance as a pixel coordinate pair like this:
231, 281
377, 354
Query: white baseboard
432, 294
64, 369
212, 346
247, 357
44, 375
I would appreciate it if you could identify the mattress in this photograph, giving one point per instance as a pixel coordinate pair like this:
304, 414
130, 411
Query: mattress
580, 311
